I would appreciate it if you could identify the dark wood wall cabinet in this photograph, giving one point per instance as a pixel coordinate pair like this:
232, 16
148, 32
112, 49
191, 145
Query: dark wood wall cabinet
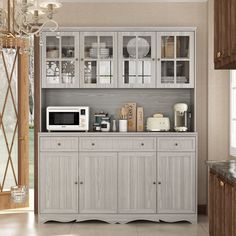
225, 34
222, 206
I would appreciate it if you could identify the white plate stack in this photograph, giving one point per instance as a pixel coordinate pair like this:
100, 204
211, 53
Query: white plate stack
103, 51
181, 80
167, 79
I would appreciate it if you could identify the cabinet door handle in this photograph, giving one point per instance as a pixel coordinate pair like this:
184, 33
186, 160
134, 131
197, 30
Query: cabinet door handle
81, 182
218, 55
93, 144
59, 144
176, 144
76, 182
153, 59
154, 182
76, 59
222, 184
159, 183
82, 59
142, 144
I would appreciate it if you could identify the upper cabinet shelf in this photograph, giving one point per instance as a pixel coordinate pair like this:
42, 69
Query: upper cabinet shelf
99, 60
137, 60
175, 63
60, 60
118, 59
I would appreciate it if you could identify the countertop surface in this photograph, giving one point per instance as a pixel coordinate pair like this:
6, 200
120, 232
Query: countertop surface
224, 168
127, 134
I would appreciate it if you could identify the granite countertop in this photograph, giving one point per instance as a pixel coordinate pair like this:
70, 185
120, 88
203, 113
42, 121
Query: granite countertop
225, 168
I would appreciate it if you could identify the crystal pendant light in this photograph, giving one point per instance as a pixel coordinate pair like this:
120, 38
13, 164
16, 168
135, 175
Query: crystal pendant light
20, 20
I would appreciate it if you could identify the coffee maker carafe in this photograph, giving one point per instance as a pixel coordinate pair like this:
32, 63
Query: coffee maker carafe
181, 117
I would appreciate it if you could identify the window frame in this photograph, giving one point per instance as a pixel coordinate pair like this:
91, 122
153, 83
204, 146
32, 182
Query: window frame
232, 76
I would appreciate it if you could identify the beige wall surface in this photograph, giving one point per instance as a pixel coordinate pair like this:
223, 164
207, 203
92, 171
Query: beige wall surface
218, 101
156, 14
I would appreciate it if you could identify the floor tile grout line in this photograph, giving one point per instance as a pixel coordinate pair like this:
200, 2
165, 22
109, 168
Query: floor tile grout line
135, 229
204, 228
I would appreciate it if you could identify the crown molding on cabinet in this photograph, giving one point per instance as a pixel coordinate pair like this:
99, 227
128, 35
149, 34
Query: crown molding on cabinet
132, 1
122, 29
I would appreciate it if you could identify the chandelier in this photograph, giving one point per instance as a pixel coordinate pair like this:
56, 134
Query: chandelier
20, 20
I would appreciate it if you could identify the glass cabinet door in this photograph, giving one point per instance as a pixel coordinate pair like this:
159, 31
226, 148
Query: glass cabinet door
183, 59
98, 60
60, 51
167, 59
137, 60
175, 60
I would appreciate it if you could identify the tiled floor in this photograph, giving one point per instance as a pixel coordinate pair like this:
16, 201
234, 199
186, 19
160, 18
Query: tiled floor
25, 224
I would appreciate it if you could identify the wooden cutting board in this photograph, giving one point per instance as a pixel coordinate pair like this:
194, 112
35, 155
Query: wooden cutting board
140, 125
131, 109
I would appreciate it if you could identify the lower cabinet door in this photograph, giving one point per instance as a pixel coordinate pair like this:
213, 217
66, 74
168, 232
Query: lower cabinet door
228, 208
220, 203
234, 211
176, 182
98, 182
212, 203
224, 206
137, 182
58, 182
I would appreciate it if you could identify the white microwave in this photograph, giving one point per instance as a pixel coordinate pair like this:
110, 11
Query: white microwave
65, 118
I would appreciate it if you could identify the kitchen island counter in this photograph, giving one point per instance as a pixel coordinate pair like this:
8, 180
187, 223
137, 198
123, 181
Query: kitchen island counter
222, 198
226, 169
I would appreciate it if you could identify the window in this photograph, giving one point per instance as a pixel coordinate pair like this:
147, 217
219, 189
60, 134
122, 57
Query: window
233, 113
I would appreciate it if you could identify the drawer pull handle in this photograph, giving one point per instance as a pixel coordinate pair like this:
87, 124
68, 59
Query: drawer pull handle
142, 144
154, 182
81, 182
93, 144
218, 55
159, 183
59, 144
222, 184
176, 144
76, 182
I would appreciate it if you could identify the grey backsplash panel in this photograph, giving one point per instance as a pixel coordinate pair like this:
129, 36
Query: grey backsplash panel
110, 100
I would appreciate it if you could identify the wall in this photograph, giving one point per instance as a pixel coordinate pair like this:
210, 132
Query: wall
152, 100
218, 101
156, 14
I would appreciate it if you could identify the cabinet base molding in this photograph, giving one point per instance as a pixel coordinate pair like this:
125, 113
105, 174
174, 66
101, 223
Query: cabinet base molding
118, 218
202, 209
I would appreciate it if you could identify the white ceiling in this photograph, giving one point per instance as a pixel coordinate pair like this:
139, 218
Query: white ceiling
130, 1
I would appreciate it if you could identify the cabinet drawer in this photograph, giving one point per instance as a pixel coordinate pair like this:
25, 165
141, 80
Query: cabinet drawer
59, 144
176, 144
97, 144
136, 144
117, 144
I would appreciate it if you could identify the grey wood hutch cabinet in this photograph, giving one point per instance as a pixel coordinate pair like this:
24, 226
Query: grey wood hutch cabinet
112, 176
